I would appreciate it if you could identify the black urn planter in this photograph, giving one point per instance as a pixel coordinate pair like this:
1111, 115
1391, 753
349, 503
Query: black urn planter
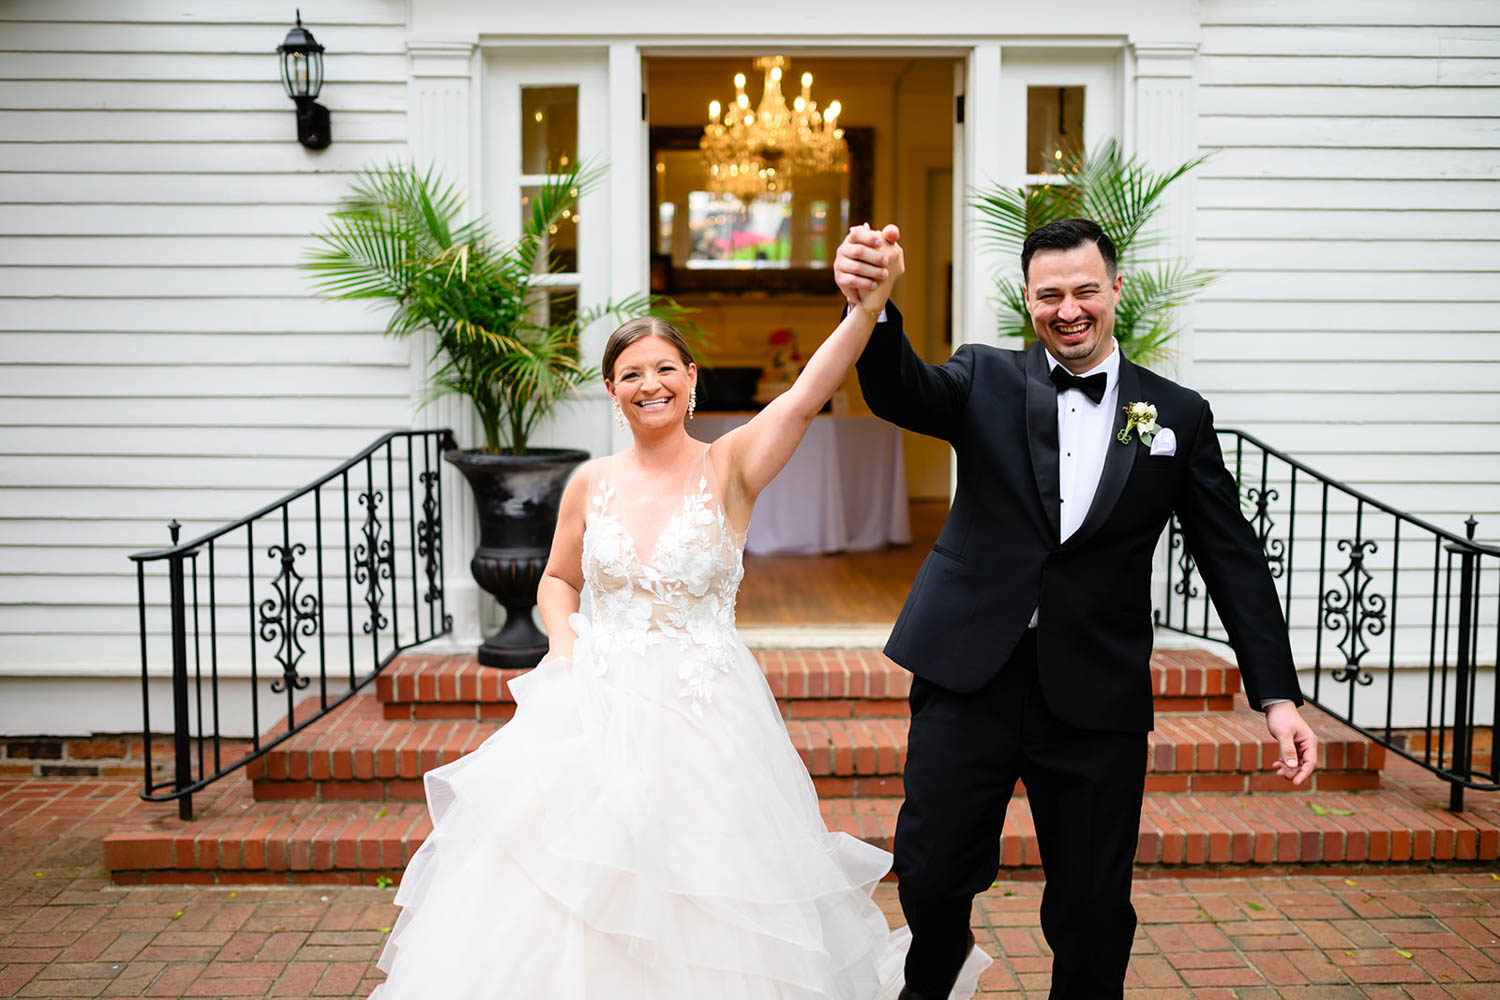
517, 497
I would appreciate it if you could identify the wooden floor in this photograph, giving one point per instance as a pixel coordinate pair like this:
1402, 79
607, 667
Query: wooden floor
855, 588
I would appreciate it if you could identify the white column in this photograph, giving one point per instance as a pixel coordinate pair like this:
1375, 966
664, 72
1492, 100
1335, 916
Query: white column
1164, 95
984, 146
443, 93
629, 263
1166, 128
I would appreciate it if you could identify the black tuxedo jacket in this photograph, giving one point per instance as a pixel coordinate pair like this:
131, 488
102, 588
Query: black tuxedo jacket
999, 557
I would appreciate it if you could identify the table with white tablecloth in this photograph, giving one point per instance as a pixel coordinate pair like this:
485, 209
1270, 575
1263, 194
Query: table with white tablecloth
843, 490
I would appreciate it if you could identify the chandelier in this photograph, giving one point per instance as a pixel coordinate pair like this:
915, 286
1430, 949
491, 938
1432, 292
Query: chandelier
748, 153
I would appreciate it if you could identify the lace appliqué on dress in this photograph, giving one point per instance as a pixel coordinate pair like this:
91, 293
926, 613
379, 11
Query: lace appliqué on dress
608, 555
685, 592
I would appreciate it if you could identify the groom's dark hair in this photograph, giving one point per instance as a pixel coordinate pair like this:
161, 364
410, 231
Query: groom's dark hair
1065, 234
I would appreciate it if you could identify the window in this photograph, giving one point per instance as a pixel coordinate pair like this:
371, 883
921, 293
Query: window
562, 242
549, 143
549, 128
1054, 127
1052, 100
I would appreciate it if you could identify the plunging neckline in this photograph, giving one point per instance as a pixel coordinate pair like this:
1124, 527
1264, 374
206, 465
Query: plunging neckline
605, 493
646, 565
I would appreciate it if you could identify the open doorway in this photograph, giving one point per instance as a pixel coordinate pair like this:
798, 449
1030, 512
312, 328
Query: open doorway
758, 273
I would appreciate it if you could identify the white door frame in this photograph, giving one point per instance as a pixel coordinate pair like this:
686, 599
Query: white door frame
449, 121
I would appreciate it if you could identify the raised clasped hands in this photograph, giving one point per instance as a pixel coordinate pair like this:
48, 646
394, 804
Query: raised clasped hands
867, 264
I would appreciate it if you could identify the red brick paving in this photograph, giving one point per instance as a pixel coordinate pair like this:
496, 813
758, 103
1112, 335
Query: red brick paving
66, 932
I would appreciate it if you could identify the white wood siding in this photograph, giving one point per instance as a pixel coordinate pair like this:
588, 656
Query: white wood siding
160, 353
1353, 196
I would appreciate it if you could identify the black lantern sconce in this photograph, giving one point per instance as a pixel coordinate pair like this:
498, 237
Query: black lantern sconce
302, 76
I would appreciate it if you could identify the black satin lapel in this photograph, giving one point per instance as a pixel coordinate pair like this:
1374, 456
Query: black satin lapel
1041, 433
1118, 459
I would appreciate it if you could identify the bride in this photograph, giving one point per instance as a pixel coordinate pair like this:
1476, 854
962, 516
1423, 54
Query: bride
643, 828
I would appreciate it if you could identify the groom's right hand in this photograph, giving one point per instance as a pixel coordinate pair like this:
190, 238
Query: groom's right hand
859, 265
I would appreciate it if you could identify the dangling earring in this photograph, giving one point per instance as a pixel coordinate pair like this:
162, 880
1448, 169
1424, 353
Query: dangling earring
692, 401
619, 413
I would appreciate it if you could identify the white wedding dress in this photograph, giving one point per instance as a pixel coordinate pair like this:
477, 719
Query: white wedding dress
643, 828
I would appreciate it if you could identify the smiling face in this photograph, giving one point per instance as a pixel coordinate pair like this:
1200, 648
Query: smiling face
1072, 297
651, 382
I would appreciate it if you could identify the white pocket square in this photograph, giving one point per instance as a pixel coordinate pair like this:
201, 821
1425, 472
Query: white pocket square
1164, 442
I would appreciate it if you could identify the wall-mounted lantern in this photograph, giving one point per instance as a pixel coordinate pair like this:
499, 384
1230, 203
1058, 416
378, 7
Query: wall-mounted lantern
302, 76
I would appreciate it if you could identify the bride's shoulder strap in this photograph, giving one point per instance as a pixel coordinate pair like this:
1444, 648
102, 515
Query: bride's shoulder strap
593, 474
719, 474
710, 466
715, 474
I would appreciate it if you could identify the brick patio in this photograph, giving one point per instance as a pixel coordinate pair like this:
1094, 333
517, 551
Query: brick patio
66, 931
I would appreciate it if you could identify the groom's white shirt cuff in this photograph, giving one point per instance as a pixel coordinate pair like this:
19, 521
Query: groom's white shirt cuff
878, 319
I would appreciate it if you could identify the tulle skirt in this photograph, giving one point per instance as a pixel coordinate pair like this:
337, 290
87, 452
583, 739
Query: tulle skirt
611, 842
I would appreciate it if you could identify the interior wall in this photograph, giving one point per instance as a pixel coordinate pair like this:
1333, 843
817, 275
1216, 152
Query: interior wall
909, 103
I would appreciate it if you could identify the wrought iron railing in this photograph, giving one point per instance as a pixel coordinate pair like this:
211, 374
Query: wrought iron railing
235, 611
1370, 593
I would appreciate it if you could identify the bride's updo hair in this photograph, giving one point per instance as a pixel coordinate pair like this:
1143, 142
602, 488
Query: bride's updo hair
639, 329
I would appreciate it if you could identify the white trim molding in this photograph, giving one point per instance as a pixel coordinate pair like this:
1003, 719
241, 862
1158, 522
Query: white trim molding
441, 129
1164, 91
1164, 84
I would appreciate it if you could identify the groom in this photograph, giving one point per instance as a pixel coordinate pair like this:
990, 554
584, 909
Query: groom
1029, 627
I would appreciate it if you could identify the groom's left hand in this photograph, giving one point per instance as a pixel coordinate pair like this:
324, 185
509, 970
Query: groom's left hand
1298, 744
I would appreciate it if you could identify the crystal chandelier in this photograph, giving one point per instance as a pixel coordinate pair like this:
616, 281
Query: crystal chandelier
748, 153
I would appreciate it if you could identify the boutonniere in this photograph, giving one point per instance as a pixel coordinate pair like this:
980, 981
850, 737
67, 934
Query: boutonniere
1140, 417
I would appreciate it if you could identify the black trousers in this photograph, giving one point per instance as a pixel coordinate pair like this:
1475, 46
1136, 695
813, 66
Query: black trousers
964, 755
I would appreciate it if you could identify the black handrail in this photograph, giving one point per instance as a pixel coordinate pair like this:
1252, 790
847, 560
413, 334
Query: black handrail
279, 622
1359, 607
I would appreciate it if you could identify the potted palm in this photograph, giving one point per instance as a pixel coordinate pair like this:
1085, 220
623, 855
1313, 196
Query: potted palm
505, 340
1123, 196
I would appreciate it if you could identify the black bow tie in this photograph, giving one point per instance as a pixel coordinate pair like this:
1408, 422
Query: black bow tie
1092, 386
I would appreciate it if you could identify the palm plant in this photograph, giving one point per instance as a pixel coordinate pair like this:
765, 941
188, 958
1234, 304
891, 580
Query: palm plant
505, 338
1123, 196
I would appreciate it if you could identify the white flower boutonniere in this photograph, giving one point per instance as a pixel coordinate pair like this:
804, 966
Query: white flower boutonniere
1140, 417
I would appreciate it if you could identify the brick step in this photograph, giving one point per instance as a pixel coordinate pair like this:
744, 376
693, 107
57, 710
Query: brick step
236, 839
356, 753
808, 683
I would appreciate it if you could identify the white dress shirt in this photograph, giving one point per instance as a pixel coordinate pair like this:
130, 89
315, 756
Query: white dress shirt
1084, 430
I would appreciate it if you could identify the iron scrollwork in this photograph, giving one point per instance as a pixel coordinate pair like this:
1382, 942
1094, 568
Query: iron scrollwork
287, 615
372, 561
1184, 586
430, 538
1274, 548
1355, 611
